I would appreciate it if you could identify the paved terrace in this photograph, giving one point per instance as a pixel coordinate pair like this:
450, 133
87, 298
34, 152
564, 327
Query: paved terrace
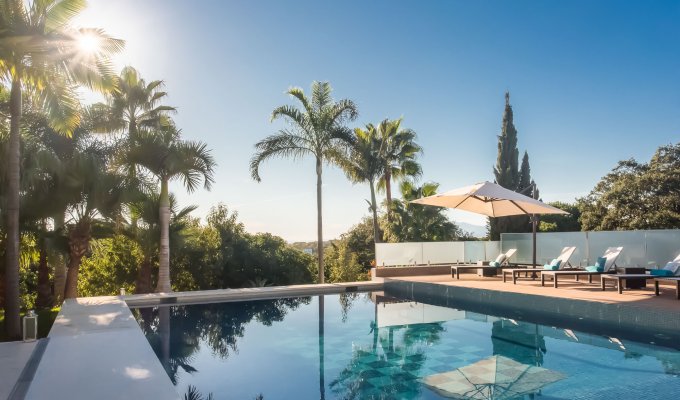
568, 289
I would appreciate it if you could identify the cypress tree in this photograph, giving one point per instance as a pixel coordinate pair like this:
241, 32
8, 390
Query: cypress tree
510, 175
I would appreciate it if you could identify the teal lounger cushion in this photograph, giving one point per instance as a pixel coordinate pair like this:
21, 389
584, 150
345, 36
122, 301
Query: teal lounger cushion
661, 272
600, 263
594, 268
551, 267
494, 264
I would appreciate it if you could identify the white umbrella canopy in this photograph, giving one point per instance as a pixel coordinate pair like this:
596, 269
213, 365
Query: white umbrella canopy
489, 199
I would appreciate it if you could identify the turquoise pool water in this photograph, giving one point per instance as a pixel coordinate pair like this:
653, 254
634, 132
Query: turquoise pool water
371, 346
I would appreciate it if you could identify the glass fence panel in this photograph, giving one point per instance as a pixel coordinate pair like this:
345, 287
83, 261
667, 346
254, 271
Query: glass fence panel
443, 252
492, 250
474, 251
633, 243
398, 253
640, 248
521, 242
550, 245
662, 247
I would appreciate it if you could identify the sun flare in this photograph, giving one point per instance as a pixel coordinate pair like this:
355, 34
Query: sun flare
88, 43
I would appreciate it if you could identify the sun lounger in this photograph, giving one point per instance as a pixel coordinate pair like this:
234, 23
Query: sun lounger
621, 278
503, 260
563, 264
668, 279
611, 254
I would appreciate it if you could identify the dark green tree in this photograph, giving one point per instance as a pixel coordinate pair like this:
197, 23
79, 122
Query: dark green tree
636, 195
508, 174
561, 223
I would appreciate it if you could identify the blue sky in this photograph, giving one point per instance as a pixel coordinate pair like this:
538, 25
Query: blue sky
591, 83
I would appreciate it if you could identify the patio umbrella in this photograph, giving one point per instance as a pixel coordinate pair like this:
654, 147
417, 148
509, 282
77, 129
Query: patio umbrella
492, 200
493, 378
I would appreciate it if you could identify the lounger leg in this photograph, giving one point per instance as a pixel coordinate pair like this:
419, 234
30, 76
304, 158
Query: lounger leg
590, 279
576, 277
602, 280
619, 282
555, 280
504, 276
542, 280
457, 273
677, 290
514, 278
656, 288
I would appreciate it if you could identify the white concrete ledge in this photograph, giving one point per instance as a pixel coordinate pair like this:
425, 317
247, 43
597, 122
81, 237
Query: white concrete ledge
260, 293
97, 351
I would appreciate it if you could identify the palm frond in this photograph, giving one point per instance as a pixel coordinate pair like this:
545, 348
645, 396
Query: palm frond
283, 144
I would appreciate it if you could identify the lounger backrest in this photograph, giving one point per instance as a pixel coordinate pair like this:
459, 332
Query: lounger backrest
566, 254
677, 258
611, 254
509, 254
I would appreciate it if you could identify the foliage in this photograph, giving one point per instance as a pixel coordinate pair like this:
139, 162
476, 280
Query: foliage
111, 265
636, 195
561, 223
418, 223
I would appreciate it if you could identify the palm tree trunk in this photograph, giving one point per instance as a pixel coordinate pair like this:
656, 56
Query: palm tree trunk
143, 282
319, 223
388, 192
58, 260
377, 236
164, 256
44, 299
12, 302
78, 243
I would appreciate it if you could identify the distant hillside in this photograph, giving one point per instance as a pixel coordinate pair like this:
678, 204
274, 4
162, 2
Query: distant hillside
478, 231
308, 247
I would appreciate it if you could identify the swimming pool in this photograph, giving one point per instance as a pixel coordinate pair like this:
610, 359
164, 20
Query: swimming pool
373, 346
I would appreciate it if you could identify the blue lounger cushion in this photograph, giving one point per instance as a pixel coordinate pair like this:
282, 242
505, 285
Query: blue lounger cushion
495, 264
554, 265
661, 272
599, 265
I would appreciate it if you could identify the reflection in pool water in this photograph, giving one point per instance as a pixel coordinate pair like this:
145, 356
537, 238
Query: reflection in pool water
371, 346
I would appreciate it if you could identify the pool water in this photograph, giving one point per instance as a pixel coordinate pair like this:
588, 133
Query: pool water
372, 346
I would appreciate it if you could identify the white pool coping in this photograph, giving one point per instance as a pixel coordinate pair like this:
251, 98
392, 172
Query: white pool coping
97, 350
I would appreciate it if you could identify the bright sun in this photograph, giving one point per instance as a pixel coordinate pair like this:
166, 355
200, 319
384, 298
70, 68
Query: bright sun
88, 43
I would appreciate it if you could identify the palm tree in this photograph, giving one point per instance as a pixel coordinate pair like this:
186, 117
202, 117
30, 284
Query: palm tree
135, 105
97, 195
399, 152
148, 232
417, 223
363, 164
318, 129
40, 52
165, 155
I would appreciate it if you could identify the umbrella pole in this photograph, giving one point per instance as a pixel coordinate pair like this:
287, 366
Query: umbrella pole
533, 237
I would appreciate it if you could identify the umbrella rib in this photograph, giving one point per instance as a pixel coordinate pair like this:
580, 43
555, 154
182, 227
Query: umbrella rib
518, 206
461, 202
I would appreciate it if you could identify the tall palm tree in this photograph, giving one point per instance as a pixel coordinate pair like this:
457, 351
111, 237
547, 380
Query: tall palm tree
164, 154
318, 130
399, 152
41, 53
363, 164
